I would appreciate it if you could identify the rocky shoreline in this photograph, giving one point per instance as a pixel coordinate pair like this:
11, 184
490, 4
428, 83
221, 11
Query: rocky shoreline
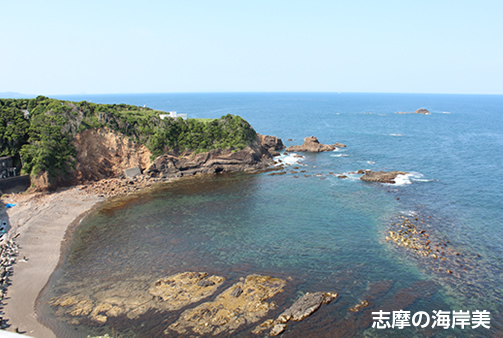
243, 303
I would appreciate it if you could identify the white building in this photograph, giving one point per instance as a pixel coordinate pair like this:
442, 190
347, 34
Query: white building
173, 114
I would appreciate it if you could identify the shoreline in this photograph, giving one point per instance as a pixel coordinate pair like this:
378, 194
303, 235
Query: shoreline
40, 223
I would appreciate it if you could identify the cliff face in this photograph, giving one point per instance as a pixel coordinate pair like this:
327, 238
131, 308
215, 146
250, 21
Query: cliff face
103, 153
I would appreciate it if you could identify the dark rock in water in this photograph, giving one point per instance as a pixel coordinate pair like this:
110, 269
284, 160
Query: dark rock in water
280, 173
274, 153
342, 176
290, 140
306, 305
301, 309
312, 144
422, 111
381, 176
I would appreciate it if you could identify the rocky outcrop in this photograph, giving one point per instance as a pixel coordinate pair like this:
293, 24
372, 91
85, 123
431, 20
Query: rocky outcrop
302, 308
242, 303
422, 111
131, 298
381, 176
256, 156
185, 288
106, 154
312, 144
271, 143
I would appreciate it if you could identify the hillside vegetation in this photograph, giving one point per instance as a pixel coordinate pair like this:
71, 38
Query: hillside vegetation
42, 130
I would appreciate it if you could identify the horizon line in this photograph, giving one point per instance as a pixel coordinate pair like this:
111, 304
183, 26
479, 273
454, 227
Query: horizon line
27, 96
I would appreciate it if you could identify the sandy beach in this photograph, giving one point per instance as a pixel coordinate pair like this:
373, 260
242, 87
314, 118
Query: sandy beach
39, 223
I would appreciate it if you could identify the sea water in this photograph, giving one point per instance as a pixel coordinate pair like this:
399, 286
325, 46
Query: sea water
320, 232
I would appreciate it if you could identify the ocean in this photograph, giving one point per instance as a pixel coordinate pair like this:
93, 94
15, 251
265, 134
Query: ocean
310, 227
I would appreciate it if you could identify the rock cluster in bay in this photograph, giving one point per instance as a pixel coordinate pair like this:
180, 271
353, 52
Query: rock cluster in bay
311, 144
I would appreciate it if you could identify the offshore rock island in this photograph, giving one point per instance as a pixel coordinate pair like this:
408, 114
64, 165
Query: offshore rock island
311, 144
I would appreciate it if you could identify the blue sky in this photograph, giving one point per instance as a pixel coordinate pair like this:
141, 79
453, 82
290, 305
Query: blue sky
95, 47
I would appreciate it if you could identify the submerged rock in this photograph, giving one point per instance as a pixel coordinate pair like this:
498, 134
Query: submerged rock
242, 303
312, 144
381, 176
189, 287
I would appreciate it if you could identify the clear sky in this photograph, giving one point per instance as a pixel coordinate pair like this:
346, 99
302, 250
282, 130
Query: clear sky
72, 47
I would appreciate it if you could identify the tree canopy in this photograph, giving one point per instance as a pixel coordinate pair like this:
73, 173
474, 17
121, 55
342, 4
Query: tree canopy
42, 130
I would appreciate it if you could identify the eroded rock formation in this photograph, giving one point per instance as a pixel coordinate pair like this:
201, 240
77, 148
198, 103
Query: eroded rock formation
256, 156
242, 303
312, 144
302, 308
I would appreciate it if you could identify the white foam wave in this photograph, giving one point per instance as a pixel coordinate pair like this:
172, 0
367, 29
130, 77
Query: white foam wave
403, 179
413, 176
339, 155
395, 135
371, 162
290, 159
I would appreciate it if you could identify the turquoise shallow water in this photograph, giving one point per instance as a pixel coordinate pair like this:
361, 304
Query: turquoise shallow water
327, 234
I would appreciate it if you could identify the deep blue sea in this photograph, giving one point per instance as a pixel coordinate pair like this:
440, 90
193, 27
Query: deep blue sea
326, 233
